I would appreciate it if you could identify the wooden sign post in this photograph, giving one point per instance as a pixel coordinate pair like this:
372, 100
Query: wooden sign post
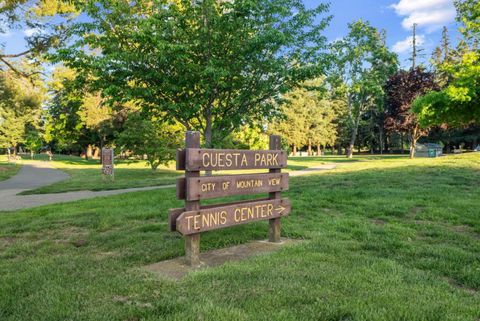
107, 163
194, 219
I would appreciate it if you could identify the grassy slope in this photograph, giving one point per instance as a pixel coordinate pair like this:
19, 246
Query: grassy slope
7, 169
385, 240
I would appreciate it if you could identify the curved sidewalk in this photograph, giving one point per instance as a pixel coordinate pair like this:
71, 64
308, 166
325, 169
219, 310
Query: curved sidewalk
39, 174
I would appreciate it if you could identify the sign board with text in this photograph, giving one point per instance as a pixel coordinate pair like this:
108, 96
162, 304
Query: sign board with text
219, 186
194, 219
107, 161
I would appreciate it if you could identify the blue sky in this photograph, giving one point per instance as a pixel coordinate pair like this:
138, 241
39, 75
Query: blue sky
395, 16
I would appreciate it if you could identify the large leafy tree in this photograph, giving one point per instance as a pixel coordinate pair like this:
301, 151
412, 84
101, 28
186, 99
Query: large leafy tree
363, 63
210, 65
458, 103
401, 90
151, 137
75, 119
309, 118
20, 109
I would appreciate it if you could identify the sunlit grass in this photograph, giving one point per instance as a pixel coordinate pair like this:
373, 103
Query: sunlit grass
385, 239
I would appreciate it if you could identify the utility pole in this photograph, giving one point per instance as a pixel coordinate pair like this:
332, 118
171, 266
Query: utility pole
414, 45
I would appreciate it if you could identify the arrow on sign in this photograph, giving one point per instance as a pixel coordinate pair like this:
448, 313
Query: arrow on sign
280, 209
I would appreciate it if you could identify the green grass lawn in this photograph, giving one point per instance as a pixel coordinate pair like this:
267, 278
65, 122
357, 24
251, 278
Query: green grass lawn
7, 169
86, 174
385, 239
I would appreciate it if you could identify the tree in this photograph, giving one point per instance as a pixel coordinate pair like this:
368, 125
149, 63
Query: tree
457, 104
363, 63
210, 65
151, 137
247, 137
308, 118
76, 118
401, 90
292, 125
20, 108
47, 20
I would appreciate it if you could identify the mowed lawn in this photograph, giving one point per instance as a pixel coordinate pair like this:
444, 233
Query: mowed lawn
385, 239
86, 174
7, 169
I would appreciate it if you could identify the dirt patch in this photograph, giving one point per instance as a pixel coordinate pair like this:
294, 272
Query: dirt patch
378, 222
6, 241
128, 301
177, 268
457, 285
4, 168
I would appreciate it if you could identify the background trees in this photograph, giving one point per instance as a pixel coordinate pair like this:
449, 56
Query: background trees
457, 103
308, 118
157, 140
20, 109
401, 90
362, 65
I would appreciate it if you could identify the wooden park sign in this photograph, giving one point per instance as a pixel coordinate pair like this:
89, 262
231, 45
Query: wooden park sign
107, 162
193, 219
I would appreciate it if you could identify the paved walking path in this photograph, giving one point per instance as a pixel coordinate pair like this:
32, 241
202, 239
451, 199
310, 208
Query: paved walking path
39, 174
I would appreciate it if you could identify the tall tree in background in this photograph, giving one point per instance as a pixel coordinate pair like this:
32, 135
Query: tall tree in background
20, 109
308, 118
210, 65
458, 103
157, 140
401, 90
363, 64
75, 119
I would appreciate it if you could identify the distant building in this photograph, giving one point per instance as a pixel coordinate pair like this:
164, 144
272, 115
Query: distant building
428, 150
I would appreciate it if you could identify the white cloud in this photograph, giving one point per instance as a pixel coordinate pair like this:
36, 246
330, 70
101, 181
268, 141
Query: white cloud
430, 14
406, 44
30, 32
6, 34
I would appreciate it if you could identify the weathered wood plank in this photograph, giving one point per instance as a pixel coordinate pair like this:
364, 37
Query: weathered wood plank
180, 159
197, 159
274, 224
219, 186
192, 241
206, 219
181, 188
174, 213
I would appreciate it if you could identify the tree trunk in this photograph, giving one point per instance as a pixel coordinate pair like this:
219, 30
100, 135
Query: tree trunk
31, 154
319, 150
413, 142
208, 137
401, 143
294, 153
351, 145
88, 152
15, 149
353, 137
309, 147
380, 138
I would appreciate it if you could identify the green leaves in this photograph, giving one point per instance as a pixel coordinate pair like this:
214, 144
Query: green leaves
210, 65
457, 104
